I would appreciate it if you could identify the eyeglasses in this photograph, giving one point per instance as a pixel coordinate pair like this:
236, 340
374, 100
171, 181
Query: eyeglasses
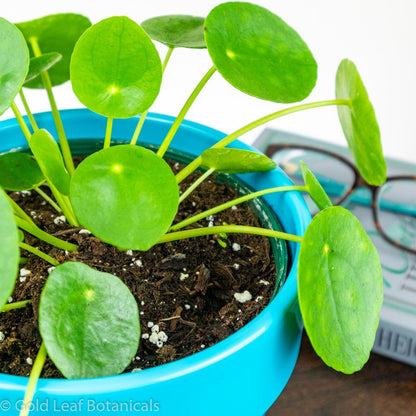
393, 204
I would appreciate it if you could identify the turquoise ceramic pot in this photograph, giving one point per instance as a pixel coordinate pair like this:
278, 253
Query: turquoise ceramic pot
241, 375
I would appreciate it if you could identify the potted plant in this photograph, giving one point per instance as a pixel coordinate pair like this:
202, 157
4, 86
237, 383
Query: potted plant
127, 196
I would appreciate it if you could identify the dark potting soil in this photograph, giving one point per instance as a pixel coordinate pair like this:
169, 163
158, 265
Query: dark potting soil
186, 287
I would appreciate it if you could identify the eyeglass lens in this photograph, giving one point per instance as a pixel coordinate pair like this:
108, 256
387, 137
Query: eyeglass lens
396, 208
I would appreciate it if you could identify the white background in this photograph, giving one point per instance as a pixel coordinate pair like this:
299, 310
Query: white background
378, 35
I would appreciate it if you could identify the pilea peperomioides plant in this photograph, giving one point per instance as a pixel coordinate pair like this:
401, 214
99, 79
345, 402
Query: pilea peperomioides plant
115, 70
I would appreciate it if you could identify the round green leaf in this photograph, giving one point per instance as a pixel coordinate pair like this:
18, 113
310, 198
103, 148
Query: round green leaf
340, 289
14, 63
116, 69
177, 31
55, 33
258, 53
9, 249
19, 172
49, 158
134, 192
227, 160
89, 322
42, 63
359, 124
315, 189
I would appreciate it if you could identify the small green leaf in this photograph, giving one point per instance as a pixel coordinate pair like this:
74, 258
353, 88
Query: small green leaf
135, 196
116, 69
14, 63
89, 322
258, 53
55, 33
315, 189
49, 158
9, 249
42, 63
360, 125
19, 172
177, 31
228, 160
340, 289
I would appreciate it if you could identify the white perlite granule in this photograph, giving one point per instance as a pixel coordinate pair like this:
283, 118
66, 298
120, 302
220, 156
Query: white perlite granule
243, 297
59, 220
24, 272
236, 247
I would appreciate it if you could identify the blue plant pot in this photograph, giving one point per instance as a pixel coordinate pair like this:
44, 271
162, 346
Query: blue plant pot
241, 375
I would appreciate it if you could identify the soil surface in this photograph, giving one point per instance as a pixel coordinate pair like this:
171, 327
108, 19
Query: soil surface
186, 287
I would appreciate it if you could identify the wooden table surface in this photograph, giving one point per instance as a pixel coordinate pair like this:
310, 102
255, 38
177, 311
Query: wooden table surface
383, 387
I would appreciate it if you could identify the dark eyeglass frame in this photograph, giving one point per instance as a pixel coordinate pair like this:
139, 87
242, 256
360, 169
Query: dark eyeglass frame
357, 183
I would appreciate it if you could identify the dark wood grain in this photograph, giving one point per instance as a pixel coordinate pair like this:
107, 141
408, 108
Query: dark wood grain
383, 387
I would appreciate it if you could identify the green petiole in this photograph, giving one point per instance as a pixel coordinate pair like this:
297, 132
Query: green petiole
187, 170
46, 197
33, 380
19, 211
196, 184
15, 305
144, 115
21, 121
108, 130
229, 229
175, 126
63, 141
28, 112
233, 202
39, 253
42, 235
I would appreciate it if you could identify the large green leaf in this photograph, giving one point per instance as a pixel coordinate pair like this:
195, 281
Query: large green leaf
55, 33
174, 31
125, 195
316, 192
9, 249
258, 53
19, 172
340, 289
42, 63
359, 124
89, 322
116, 69
14, 63
49, 157
228, 160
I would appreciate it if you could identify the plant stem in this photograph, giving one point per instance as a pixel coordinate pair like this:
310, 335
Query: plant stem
33, 379
138, 128
233, 202
19, 211
66, 151
15, 305
167, 57
65, 204
39, 253
48, 199
196, 184
182, 113
42, 235
28, 112
144, 114
108, 130
228, 229
21, 122
187, 170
